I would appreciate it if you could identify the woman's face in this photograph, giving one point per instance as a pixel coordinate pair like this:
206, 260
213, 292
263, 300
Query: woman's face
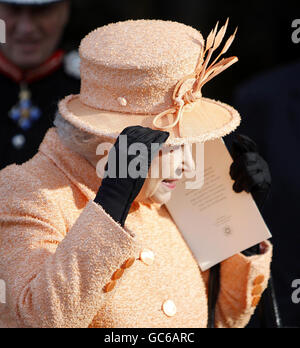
166, 170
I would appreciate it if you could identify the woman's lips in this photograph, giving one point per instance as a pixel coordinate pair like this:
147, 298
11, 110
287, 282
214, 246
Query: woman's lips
170, 184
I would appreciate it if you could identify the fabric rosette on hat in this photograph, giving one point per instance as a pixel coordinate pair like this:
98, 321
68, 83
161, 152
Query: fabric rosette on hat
151, 73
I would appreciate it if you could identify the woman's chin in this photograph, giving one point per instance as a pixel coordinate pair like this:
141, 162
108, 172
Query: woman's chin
161, 198
157, 193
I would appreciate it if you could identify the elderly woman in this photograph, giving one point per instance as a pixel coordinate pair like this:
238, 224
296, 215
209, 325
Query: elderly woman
78, 251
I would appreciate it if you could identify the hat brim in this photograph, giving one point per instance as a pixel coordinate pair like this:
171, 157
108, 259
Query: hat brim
204, 120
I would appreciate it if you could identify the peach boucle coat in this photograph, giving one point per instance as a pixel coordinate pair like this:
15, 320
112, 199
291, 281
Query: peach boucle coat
59, 250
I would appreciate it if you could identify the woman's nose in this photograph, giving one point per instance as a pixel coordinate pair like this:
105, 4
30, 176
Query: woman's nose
188, 160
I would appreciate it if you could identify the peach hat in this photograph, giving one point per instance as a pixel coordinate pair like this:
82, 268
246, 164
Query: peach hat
150, 73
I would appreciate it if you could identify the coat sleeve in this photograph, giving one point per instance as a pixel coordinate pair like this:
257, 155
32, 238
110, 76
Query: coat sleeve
243, 281
55, 280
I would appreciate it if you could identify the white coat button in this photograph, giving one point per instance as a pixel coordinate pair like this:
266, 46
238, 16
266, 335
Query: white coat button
169, 308
147, 256
18, 141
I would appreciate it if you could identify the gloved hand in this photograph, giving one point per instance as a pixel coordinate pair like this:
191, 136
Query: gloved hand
249, 170
116, 195
251, 174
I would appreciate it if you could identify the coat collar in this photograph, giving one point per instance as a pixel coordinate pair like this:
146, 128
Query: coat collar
75, 167
79, 171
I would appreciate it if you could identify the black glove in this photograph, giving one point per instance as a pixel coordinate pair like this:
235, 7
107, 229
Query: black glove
251, 174
116, 195
249, 170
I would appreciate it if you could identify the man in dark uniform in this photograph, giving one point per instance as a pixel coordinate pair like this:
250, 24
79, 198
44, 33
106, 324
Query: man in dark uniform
34, 74
270, 106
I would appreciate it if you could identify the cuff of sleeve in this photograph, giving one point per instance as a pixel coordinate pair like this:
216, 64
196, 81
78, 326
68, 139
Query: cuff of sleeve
256, 268
111, 244
257, 260
112, 223
243, 280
